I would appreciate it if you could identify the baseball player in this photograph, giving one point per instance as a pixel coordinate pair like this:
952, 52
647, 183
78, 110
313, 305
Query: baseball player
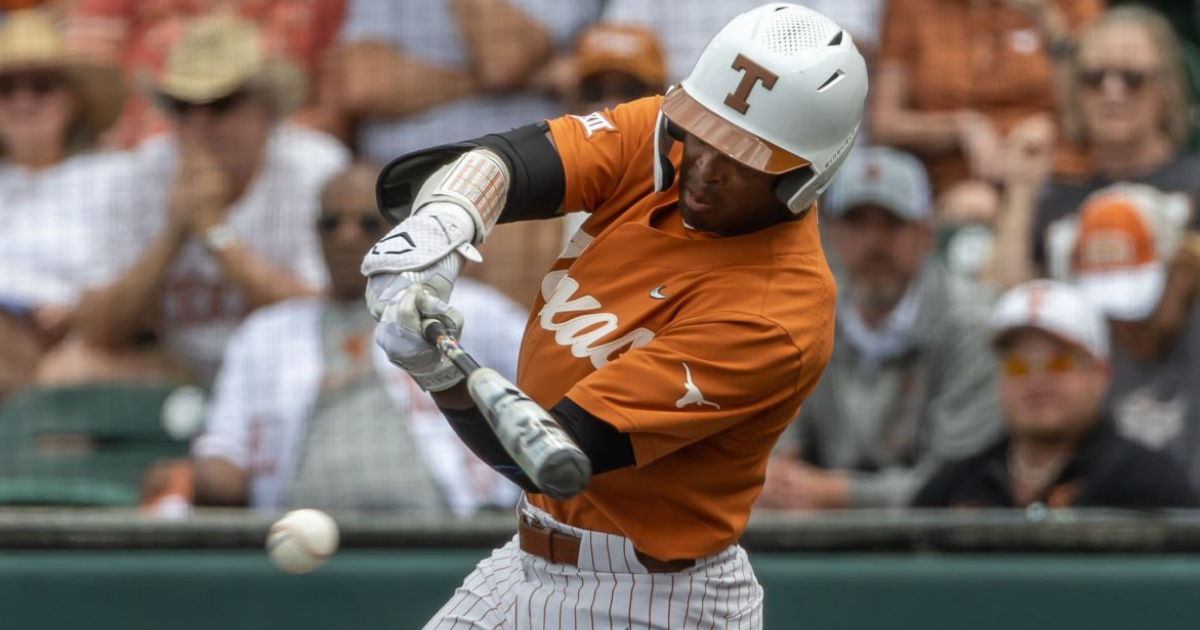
675, 337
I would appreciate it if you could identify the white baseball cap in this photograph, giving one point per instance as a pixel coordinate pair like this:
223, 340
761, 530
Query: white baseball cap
881, 176
1126, 234
1056, 308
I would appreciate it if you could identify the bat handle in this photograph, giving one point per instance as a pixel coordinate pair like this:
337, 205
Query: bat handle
436, 333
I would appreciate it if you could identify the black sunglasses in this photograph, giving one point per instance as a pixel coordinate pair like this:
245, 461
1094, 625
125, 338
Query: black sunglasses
40, 84
1132, 78
329, 223
180, 108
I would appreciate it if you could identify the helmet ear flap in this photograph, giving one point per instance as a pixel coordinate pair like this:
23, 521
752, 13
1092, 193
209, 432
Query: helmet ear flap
664, 136
790, 184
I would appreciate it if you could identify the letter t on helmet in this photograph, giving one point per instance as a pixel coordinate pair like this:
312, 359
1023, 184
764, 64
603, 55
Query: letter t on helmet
780, 89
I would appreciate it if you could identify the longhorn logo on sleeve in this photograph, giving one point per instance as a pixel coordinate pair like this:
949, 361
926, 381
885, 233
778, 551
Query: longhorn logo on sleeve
692, 395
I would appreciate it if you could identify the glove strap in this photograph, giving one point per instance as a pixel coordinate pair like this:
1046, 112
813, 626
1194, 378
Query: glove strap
440, 379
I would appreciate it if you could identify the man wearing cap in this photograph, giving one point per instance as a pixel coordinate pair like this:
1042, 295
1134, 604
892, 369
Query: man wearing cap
1130, 251
909, 382
217, 224
1061, 448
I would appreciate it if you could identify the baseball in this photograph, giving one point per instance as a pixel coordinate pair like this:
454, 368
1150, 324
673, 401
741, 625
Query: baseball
302, 540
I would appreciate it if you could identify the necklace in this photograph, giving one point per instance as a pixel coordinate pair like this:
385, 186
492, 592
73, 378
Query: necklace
1033, 476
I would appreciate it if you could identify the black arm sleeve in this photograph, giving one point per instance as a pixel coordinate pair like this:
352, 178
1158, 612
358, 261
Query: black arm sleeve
606, 448
537, 181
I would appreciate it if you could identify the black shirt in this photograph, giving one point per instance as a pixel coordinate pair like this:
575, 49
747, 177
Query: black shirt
1107, 470
1181, 174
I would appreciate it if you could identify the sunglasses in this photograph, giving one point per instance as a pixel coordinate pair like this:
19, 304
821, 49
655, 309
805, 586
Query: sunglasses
1132, 78
180, 108
1063, 362
36, 84
329, 223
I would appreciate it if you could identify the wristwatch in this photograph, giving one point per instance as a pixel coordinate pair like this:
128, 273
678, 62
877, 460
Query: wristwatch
218, 238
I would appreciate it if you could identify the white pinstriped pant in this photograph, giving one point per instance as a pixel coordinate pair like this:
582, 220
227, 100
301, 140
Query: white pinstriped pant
609, 590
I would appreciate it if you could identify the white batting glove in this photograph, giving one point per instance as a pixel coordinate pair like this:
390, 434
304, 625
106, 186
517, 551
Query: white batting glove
429, 248
399, 333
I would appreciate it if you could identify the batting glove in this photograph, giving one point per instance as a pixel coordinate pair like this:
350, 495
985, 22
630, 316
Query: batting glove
429, 249
399, 333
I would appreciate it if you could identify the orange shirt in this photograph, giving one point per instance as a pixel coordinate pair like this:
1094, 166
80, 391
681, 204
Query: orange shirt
700, 347
983, 55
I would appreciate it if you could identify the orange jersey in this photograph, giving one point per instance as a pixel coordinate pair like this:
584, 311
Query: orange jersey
701, 348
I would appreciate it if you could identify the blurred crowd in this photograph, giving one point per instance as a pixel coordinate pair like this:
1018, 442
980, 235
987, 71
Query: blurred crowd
187, 188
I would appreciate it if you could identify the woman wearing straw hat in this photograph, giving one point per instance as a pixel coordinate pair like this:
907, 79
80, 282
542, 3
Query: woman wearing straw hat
219, 222
53, 106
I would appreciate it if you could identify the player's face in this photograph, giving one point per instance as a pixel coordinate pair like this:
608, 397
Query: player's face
349, 225
1050, 391
36, 111
1119, 74
880, 252
719, 195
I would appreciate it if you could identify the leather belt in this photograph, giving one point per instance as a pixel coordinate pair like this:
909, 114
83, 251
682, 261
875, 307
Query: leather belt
555, 546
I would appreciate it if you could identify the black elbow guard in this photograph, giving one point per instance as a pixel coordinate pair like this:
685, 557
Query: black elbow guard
537, 182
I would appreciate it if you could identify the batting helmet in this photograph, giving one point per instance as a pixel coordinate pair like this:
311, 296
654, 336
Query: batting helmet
780, 89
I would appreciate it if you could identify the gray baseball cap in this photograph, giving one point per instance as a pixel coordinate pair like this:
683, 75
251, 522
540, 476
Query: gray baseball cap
881, 176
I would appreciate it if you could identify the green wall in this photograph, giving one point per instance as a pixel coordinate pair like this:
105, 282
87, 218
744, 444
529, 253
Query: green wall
398, 589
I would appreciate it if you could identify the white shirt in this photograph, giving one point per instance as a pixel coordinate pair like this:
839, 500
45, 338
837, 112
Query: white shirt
51, 244
275, 218
427, 30
271, 376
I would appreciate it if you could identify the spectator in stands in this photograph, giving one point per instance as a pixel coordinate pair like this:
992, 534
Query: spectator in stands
615, 63
308, 412
955, 78
1131, 253
1128, 104
53, 105
138, 36
217, 221
473, 61
1061, 448
909, 384
685, 26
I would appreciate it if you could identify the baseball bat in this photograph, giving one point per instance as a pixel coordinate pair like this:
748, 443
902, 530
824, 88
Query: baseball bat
529, 433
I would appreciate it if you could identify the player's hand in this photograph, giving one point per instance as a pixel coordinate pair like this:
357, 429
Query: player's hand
427, 249
400, 334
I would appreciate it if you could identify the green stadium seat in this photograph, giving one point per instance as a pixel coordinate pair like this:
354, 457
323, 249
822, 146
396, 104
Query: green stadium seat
83, 445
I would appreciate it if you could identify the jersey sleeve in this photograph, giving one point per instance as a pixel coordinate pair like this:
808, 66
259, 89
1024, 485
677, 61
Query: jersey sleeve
606, 156
698, 378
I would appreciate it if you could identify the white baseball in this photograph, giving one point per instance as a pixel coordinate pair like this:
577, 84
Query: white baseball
302, 540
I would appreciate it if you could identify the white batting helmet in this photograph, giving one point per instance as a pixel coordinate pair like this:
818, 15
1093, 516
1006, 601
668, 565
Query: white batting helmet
780, 89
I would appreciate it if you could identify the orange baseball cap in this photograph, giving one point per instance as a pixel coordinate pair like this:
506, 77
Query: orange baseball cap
623, 48
1126, 233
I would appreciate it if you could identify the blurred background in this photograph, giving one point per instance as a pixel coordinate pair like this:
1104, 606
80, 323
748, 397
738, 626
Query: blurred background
1008, 433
